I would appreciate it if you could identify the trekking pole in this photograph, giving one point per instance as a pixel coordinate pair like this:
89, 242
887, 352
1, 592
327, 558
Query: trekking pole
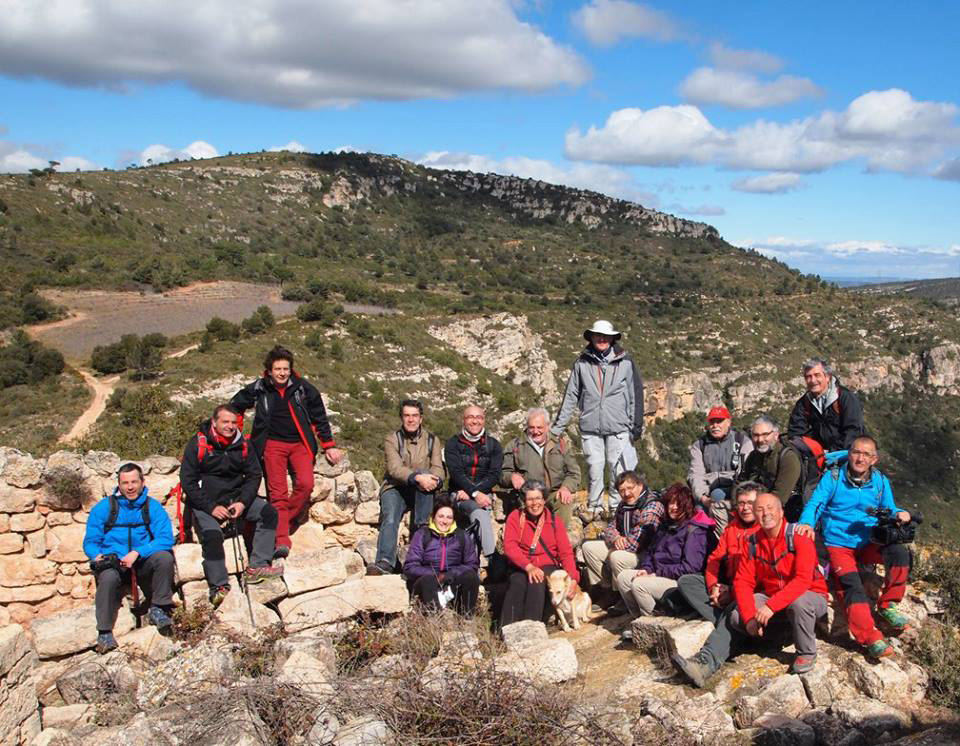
238, 560
135, 596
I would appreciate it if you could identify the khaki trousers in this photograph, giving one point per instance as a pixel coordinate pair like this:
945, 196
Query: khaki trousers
603, 565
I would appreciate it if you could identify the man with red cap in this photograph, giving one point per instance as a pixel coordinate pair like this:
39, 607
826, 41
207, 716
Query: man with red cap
716, 459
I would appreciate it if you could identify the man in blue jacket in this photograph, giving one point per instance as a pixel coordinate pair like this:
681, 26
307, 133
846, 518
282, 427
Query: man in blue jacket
130, 530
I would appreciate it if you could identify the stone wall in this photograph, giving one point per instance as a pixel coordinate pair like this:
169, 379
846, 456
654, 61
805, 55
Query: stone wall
19, 717
43, 569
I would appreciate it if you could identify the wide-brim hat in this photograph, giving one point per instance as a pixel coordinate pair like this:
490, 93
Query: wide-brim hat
602, 326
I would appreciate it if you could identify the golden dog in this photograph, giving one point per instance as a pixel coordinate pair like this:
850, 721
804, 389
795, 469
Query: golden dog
577, 608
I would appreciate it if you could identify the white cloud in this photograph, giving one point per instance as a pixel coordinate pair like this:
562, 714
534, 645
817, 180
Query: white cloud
950, 171
704, 210
17, 158
287, 52
608, 180
727, 58
905, 136
605, 22
775, 183
293, 147
740, 90
158, 153
664, 136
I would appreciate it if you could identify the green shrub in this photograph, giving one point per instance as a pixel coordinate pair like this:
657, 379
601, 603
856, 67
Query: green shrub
223, 330
23, 360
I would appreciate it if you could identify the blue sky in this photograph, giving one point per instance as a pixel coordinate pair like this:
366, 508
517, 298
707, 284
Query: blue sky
825, 134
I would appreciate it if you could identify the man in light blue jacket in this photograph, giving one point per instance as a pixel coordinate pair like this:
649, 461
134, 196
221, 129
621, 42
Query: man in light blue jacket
130, 530
607, 388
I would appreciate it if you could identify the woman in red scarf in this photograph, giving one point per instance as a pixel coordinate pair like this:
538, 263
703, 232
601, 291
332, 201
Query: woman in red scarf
535, 542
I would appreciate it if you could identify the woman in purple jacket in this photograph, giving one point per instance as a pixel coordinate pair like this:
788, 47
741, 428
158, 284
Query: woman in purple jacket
442, 562
679, 547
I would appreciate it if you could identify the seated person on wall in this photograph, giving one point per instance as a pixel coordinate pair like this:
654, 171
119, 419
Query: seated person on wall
442, 562
414, 471
711, 592
678, 548
220, 476
474, 461
130, 531
716, 458
842, 505
774, 464
536, 544
777, 582
541, 456
635, 522
289, 428
828, 412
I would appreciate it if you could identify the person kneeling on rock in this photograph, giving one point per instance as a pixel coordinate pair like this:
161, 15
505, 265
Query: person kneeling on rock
777, 582
220, 476
129, 532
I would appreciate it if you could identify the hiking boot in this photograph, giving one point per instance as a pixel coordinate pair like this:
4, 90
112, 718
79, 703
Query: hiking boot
892, 615
379, 568
160, 619
618, 608
693, 668
803, 663
879, 649
218, 594
281, 552
105, 643
626, 635
253, 575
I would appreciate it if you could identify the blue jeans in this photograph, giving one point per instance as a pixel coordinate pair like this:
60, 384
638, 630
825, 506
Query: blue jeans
394, 502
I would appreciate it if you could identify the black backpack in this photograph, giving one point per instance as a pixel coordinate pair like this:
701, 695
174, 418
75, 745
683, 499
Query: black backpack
111, 521
812, 466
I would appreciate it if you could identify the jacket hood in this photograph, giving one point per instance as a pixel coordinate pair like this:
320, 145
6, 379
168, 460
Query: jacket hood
135, 503
700, 518
590, 355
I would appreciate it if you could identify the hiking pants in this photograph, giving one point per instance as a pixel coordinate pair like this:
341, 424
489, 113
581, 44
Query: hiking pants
469, 512
640, 593
154, 576
278, 458
264, 518
465, 588
693, 588
848, 587
800, 618
394, 502
526, 600
617, 454
604, 564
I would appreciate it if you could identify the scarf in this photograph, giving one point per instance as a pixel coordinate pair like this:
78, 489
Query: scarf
449, 532
472, 438
536, 533
536, 447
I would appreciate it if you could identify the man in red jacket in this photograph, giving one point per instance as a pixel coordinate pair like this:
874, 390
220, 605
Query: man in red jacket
777, 581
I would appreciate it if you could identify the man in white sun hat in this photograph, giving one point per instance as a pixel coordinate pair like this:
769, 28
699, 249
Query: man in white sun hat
607, 388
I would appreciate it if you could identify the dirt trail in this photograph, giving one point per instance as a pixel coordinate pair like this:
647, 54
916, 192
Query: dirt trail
184, 351
102, 388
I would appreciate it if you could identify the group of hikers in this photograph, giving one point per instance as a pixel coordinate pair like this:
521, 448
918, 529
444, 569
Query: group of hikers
764, 528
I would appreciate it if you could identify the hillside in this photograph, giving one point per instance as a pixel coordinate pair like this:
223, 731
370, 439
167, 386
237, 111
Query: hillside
493, 278
945, 289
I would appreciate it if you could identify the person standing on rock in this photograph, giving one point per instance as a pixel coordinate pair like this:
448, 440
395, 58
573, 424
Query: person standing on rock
541, 456
828, 412
290, 427
220, 476
474, 460
844, 505
414, 471
716, 460
777, 583
606, 386
130, 531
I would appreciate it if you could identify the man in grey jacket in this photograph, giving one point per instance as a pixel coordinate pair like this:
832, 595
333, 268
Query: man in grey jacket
716, 460
607, 388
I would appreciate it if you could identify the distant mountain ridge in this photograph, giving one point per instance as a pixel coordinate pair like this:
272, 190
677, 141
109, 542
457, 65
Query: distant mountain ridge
946, 289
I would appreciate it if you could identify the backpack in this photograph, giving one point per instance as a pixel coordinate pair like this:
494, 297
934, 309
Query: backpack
111, 521
789, 534
204, 446
812, 465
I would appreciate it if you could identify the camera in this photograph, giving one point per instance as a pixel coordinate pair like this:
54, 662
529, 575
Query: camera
106, 562
889, 530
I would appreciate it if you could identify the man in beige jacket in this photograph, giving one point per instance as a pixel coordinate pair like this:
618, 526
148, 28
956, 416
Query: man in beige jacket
539, 455
413, 473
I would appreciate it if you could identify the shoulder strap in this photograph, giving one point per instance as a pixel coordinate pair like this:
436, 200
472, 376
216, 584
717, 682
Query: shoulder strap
145, 514
112, 515
202, 446
399, 437
431, 440
752, 545
836, 405
246, 445
788, 534
807, 406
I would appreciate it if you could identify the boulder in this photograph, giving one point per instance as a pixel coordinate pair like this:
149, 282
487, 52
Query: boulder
324, 729
311, 537
386, 594
67, 717
234, 613
874, 719
311, 571
21, 469
14, 500
27, 594
322, 489
54, 737
703, 717
326, 469
364, 732
314, 642
26, 522
781, 730
37, 544
945, 735
820, 685
65, 543
328, 513
541, 661
368, 513
71, 631
189, 559
14, 646
163, 465
350, 533
146, 642
353, 563
103, 463
11, 543
59, 518
17, 570
890, 681
268, 591
519, 634
97, 679
662, 636
201, 669
784, 695
307, 673
368, 488
830, 730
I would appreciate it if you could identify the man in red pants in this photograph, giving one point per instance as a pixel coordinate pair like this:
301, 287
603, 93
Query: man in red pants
842, 504
289, 428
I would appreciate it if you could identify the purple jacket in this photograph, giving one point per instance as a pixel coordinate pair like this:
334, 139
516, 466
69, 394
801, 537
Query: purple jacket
457, 552
679, 549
